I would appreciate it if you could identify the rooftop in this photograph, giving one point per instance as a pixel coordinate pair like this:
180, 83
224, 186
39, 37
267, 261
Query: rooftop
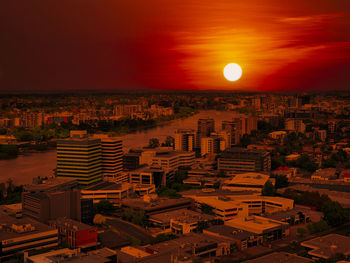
70, 223
12, 227
280, 257
44, 184
229, 232
181, 215
105, 185
249, 179
329, 245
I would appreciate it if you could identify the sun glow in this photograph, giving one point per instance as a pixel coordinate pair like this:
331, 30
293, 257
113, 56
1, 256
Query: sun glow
232, 72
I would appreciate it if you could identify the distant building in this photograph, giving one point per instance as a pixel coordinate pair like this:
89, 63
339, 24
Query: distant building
131, 160
234, 129
185, 140
244, 160
324, 174
295, 125
205, 127
74, 233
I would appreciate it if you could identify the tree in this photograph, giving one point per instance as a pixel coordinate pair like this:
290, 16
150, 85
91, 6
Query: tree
269, 189
281, 181
99, 219
334, 213
153, 143
301, 231
207, 209
169, 141
164, 237
103, 207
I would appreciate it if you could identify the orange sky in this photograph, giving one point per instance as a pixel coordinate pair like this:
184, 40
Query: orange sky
177, 44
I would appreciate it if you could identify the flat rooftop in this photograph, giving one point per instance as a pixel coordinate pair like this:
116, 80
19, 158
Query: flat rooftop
70, 223
280, 257
248, 179
229, 232
42, 184
216, 192
104, 185
181, 215
7, 232
329, 245
158, 203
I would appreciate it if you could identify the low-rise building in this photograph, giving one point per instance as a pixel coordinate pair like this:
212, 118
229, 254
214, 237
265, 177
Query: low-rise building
113, 192
74, 233
268, 229
24, 234
247, 181
102, 255
280, 257
157, 205
181, 221
328, 246
242, 238
324, 174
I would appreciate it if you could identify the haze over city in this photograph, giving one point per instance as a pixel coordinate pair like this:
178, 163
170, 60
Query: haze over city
180, 131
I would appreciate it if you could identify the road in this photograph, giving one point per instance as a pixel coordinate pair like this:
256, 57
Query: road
130, 229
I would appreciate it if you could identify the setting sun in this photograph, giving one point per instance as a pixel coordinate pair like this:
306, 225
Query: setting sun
232, 72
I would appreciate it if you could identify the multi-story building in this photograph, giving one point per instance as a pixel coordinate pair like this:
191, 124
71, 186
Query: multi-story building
244, 160
234, 129
21, 234
74, 233
208, 145
185, 140
247, 181
79, 159
295, 125
205, 127
112, 158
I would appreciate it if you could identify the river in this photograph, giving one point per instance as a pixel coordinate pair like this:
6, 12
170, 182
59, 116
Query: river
25, 167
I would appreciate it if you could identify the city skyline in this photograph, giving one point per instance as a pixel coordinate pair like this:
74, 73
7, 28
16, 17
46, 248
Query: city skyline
184, 45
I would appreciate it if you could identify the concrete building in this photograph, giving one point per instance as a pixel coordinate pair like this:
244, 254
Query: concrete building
227, 208
247, 181
205, 127
266, 228
234, 129
280, 257
79, 159
103, 255
278, 135
24, 234
181, 221
112, 158
185, 140
157, 205
295, 125
244, 160
324, 174
328, 246
208, 146
45, 206
74, 233
242, 239
113, 192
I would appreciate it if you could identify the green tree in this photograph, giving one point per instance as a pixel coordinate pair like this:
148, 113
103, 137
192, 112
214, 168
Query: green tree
103, 207
334, 213
153, 143
301, 231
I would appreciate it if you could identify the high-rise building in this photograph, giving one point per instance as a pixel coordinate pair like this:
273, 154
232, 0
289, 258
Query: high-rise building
112, 158
184, 140
234, 129
208, 145
79, 159
296, 125
205, 127
249, 124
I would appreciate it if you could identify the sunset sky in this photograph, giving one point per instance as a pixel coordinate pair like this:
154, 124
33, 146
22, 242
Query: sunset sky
174, 44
